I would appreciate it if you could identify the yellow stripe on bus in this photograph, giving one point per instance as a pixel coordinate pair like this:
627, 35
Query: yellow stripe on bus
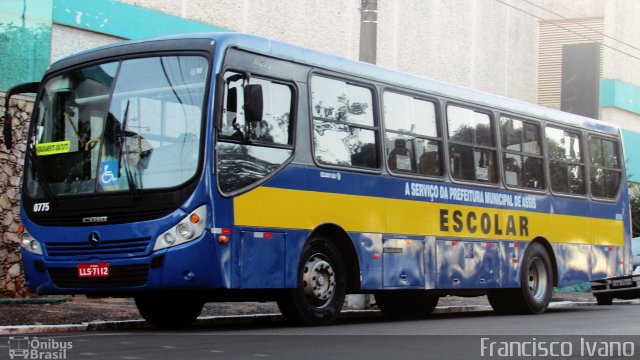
296, 209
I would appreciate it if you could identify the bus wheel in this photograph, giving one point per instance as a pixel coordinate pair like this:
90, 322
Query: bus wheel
171, 311
536, 286
406, 304
604, 300
321, 287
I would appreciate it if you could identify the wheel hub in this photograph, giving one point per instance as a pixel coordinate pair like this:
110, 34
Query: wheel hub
537, 279
319, 280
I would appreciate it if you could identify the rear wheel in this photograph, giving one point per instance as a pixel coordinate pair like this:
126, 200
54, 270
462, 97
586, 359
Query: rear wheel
536, 285
406, 304
319, 296
169, 311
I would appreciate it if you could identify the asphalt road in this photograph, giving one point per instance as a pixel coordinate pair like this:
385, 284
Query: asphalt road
577, 332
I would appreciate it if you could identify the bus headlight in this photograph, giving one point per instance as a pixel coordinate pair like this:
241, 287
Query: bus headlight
30, 244
189, 228
185, 230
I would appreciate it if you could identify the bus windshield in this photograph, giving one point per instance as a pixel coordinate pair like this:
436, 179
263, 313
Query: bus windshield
126, 125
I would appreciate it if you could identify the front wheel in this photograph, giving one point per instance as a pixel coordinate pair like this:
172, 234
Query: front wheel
319, 296
169, 311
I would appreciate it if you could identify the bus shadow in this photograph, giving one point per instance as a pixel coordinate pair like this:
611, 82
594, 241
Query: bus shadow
277, 322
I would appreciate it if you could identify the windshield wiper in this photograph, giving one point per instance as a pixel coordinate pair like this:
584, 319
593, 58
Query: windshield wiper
124, 149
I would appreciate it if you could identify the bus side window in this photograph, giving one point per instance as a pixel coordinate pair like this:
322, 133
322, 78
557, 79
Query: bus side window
566, 163
522, 155
604, 167
412, 135
344, 127
471, 145
248, 151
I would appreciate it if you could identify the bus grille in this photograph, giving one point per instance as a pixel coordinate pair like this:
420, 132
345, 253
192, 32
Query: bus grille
119, 277
74, 218
108, 249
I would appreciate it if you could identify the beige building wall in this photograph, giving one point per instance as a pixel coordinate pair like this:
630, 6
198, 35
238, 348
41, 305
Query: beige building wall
331, 26
486, 45
66, 40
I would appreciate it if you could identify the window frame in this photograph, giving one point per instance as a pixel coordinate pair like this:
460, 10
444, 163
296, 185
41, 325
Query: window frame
543, 154
496, 147
377, 122
439, 130
617, 142
549, 160
219, 118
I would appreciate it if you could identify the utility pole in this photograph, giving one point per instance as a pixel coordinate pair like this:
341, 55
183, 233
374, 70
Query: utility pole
368, 30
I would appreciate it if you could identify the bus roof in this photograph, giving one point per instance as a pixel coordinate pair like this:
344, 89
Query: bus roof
339, 64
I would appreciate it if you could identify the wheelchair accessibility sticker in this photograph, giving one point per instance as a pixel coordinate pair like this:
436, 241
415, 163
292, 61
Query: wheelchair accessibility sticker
108, 174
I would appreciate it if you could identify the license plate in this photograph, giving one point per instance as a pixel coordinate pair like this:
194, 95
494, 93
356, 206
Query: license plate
93, 270
621, 283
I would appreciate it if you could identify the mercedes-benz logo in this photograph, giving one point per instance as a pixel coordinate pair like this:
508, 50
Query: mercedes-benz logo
94, 238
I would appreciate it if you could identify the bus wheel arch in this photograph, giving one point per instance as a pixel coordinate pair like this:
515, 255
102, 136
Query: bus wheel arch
320, 289
552, 256
537, 276
343, 242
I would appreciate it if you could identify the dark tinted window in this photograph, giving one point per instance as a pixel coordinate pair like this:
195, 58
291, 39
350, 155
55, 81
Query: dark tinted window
522, 153
604, 167
472, 152
566, 163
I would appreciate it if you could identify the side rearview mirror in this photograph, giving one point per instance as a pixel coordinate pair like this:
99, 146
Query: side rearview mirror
31, 87
253, 103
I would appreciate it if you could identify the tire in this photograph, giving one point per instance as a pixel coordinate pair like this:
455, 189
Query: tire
319, 296
406, 304
604, 300
536, 286
169, 311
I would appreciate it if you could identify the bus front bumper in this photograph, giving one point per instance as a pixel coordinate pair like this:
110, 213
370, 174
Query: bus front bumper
191, 265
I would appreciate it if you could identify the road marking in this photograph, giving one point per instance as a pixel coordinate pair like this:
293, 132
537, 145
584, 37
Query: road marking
88, 354
127, 342
168, 347
216, 351
261, 355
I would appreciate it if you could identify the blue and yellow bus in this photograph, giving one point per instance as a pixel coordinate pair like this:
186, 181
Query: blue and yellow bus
215, 167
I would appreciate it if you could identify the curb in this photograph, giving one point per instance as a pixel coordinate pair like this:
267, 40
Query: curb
35, 300
206, 321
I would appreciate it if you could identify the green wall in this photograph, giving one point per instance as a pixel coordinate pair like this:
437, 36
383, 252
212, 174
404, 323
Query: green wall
123, 20
25, 30
25, 40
